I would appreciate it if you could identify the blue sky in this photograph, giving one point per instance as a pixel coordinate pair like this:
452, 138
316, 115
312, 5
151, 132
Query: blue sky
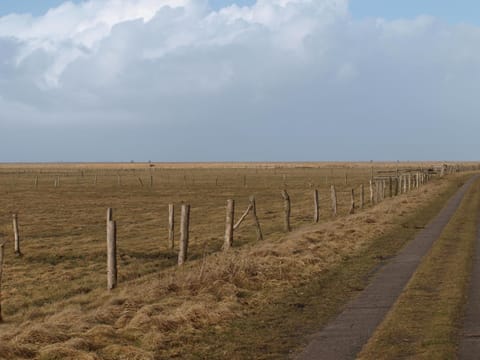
278, 80
467, 11
38, 7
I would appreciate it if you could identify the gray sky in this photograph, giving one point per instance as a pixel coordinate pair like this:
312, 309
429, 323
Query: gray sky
280, 80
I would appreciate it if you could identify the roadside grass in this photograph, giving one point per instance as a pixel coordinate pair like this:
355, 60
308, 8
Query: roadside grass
426, 319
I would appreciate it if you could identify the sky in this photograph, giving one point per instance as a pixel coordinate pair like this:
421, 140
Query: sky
218, 80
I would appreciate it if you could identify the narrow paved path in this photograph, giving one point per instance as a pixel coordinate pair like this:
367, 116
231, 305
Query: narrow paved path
470, 338
345, 336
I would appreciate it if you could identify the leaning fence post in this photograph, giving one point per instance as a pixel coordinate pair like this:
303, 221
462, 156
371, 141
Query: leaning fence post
184, 233
16, 235
111, 255
228, 241
316, 212
333, 195
352, 202
2, 252
286, 208
255, 218
171, 225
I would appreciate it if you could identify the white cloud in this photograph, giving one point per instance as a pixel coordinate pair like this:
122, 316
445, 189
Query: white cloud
280, 67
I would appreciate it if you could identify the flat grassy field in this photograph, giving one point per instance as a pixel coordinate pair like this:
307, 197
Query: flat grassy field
55, 302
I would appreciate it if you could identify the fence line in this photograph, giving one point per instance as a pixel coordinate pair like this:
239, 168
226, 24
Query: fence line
397, 185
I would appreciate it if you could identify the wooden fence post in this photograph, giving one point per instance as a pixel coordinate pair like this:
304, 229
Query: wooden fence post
390, 186
109, 215
2, 253
316, 212
184, 233
286, 208
255, 218
16, 235
352, 202
362, 196
111, 255
404, 184
228, 240
333, 194
151, 181
36, 182
371, 191
171, 225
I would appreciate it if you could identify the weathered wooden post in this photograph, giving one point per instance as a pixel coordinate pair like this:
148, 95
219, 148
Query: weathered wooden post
333, 194
404, 183
362, 196
2, 253
171, 225
140, 181
184, 233
286, 209
352, 202
36, 182
371, 192
16, 235
109, 215
151, 181
409, 182
346, 178
111, 255
390, 186
316, 212
255, 218
228, 241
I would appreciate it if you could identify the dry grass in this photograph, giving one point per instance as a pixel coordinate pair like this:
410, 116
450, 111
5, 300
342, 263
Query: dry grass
426, 320
54, 298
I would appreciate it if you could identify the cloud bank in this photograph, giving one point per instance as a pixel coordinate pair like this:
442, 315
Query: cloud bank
280, 80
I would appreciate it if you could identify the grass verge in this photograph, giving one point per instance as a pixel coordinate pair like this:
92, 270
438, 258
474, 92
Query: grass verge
426, 319
279, 328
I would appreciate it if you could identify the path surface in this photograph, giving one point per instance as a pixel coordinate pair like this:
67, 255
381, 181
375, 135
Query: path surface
470, 338
344, 337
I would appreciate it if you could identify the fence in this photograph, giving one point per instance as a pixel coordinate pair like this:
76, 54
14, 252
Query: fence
381, 186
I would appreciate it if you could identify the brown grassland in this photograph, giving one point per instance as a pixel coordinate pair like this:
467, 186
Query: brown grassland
55, 301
